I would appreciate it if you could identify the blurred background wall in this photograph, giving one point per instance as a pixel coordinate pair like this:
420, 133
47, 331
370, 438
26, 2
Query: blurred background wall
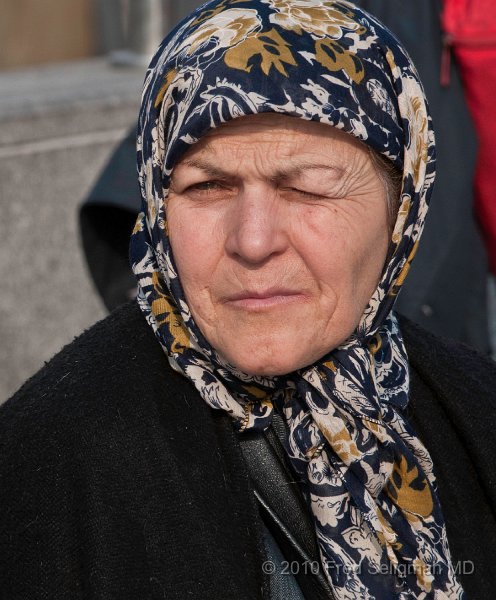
70, 79
34, 32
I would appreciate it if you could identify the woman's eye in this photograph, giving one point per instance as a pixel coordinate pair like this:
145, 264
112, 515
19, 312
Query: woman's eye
304, 193
204, 186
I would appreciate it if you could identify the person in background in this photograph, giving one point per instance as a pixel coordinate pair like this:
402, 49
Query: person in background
105, 219
446, 291
470, 34
261, 404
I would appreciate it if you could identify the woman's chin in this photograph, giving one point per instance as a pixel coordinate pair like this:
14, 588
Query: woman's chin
268, 362
265, 369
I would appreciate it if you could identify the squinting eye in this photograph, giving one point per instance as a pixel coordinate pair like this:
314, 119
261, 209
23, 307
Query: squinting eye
304, 193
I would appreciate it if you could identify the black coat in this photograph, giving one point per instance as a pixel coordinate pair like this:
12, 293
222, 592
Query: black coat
118, 481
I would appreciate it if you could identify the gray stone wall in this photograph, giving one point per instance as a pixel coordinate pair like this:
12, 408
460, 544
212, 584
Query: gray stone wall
58, 126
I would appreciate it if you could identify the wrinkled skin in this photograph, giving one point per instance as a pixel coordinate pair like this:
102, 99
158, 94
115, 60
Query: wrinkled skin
279, 231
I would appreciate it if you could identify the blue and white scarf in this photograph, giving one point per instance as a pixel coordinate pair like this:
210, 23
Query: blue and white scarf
368, 478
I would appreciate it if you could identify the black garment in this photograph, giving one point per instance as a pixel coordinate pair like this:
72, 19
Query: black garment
118, 481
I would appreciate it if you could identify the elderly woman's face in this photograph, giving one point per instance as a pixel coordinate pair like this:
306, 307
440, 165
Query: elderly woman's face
279, 231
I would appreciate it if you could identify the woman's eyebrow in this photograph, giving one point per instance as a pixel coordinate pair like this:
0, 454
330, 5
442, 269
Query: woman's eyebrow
206, 167
296, 170
291, 171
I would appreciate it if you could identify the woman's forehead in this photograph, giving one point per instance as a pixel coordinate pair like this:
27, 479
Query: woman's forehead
274, 133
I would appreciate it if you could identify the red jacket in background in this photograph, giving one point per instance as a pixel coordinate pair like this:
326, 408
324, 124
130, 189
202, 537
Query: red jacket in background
470, 30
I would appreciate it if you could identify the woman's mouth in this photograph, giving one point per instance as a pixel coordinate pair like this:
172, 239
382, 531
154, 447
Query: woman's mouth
256, 300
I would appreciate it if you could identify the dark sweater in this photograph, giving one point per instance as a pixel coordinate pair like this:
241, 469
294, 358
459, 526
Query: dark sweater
118, 481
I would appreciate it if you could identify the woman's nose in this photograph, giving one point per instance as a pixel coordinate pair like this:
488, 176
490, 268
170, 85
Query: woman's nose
257, 228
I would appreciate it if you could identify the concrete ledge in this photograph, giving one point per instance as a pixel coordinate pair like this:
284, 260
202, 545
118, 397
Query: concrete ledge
67, 99
58, 126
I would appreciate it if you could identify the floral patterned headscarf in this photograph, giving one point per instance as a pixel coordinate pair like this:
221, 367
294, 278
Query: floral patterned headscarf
367, 477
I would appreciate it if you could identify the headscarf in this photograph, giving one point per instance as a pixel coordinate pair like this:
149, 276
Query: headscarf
367, 477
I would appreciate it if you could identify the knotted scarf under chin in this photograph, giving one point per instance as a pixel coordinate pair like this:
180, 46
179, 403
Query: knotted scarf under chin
367, 478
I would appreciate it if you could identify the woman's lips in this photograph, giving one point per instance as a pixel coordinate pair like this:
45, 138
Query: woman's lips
260, 300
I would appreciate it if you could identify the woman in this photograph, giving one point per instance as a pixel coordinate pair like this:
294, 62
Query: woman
268, 256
